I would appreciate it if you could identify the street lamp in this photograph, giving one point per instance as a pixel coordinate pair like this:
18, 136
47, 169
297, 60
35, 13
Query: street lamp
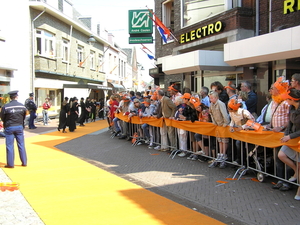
91, 40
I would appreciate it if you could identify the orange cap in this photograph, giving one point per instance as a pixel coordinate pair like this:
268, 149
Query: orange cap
186, 95
234, 104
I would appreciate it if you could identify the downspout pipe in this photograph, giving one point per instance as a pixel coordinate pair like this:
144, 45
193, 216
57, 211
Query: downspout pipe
257, 18
33, 47
69, 50
270, 16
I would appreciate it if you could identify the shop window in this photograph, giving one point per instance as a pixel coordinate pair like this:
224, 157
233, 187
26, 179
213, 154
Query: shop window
45, 43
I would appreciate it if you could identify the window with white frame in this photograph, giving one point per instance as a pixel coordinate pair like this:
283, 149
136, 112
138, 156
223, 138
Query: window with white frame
168, 16
194, 11
92, 60
80, 55
100, 63
45, 43
65, 50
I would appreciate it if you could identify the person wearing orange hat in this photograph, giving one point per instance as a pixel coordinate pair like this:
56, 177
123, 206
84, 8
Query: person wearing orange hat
231, 90
286, 154
187, 113
279, 119
174, 91
239, 117
199, 139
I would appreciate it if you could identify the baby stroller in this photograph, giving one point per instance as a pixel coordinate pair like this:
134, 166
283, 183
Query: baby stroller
259, 162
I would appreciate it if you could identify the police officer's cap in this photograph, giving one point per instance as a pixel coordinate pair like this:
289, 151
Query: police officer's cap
31, 94
13, 93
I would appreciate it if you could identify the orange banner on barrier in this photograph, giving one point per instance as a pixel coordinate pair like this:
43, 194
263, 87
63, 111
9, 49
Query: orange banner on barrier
268, 139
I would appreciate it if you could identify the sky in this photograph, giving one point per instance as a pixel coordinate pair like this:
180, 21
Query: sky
113, 16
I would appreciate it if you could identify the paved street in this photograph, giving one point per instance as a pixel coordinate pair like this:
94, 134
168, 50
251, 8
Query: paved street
190, 183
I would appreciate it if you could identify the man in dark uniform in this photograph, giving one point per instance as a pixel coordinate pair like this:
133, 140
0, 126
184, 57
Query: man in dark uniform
13, 115
31, 107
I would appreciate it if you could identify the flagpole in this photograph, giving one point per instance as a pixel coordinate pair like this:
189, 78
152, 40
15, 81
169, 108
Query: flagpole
161, 23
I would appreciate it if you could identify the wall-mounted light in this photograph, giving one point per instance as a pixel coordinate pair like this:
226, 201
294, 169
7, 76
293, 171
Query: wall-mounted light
91, 40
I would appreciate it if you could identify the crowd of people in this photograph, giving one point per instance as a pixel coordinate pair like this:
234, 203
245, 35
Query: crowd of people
227, 106
70, 115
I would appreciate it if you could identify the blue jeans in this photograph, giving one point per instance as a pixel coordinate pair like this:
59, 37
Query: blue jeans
32, 116
45, 116
145, 128
12, 133
116, 124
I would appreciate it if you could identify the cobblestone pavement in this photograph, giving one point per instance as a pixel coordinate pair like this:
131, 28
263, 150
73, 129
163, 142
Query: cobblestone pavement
190, 183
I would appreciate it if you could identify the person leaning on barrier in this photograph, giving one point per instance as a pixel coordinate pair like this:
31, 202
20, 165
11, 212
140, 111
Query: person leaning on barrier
148, 112
189, 113
239, 117
13, 115
287, 155
124, 111
220, 117
279, 118
182, 134
168, 109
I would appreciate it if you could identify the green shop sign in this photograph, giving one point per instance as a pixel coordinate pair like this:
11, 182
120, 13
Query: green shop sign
140, 22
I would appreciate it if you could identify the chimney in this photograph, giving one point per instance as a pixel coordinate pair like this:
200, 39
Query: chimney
98, 29
86, 20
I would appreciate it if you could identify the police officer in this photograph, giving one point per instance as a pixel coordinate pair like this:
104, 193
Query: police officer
31, 107
13, 115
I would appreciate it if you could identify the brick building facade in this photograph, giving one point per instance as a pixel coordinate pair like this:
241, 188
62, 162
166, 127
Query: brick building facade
221, 55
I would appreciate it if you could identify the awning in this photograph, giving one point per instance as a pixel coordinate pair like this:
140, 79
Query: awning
116, 87
88, 86
194, 61
7, 67
283, 44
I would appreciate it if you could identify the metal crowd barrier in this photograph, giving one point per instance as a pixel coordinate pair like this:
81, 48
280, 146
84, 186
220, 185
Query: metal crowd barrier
253, 156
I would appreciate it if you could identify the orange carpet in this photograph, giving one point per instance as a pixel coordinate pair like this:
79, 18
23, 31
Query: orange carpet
65, 190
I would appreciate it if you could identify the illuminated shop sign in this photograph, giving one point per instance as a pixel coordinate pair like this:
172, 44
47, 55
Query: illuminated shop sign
290, 6
201, 32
